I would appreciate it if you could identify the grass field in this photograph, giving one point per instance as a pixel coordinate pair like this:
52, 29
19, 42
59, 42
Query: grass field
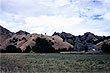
31, 63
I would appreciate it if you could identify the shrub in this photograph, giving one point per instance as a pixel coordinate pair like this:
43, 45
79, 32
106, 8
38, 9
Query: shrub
35, 49
31, 51
52, 43
64, 40
105, 48
26, 33
15, 39
18, 50
86, 48
20, 40
65, 49
62, 49
42, 46
53, 39
23, 38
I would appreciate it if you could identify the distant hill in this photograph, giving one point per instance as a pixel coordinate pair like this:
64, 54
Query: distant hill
22, 39
88, 40
4, 34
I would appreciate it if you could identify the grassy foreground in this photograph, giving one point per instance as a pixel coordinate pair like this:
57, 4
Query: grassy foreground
31, 63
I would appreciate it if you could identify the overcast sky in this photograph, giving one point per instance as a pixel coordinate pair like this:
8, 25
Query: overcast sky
49, 16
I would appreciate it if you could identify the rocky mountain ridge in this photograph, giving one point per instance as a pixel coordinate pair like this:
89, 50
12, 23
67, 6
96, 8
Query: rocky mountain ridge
88, 40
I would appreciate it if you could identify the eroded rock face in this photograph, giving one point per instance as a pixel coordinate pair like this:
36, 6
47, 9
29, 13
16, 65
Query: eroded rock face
91, 38
65, 36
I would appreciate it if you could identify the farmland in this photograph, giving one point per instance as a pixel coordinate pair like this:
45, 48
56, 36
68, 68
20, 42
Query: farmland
25, 62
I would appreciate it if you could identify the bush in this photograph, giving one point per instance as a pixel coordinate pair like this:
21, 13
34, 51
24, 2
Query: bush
13, 49
42, 46
28, 49
62, 49
35, 49
71, 42
2, 50
105, 48
15, 39
65, 49
86, 48
24, 39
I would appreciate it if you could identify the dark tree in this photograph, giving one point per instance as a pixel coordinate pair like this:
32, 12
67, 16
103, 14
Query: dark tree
13, 49
35, 49
52, 43
53, 39
18, 50
15, 39
63, 49
64, 40
105, 48
86, 48
24, 39
2, 51
28, 49
26, 33
43, 46
20, 40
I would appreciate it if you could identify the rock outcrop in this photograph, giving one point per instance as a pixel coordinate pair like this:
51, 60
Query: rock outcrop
88, 40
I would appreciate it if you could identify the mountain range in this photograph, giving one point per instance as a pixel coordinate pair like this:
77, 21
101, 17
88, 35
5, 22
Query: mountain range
22, 39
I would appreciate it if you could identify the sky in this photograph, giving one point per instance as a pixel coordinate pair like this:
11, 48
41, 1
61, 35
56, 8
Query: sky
49, 16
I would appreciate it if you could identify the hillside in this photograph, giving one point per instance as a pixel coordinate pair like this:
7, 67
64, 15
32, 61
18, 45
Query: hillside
22, 39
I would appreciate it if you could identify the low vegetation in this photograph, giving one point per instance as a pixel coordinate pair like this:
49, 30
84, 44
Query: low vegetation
31, 63
11, 49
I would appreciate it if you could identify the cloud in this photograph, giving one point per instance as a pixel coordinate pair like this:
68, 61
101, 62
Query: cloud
52, 23
107, 16
74, 16
54, 20
55, 3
